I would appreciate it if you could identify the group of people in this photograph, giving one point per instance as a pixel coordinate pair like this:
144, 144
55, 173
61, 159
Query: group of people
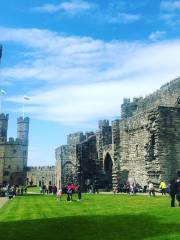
69, 190
51, 189
173, 189
11, 191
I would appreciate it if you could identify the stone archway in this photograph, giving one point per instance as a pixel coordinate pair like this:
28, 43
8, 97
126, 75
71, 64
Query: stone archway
108, 169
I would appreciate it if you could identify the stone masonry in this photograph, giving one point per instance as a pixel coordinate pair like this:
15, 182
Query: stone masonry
13, 152
42, 175
142, 146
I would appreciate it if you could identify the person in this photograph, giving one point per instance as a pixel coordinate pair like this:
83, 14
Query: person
59, 194
151, 189
128, 188
114, 190
162, 186
172, 191
79, 193
69, 194
177, 189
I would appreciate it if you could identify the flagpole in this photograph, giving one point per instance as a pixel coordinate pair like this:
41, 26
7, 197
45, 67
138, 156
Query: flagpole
23, 108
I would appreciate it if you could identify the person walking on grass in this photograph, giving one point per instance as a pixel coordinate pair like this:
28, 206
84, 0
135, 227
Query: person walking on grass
163, 187
172, 192
59, 194
69, 194
177, 189
79, 192
151, 189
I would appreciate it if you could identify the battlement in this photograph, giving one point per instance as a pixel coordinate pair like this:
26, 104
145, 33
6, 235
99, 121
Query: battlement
103, 123
172, 84
15, 141
23, 120
4, 116
40, 168
75, 138
129, 107
89, 134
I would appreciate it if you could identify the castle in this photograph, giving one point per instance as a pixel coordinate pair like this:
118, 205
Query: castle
13, 152
42, 175
142, 146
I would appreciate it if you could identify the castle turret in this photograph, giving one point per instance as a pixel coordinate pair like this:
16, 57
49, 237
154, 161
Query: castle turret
23, 129
3, 127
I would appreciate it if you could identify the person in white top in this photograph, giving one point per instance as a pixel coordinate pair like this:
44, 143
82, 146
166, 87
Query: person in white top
151, 189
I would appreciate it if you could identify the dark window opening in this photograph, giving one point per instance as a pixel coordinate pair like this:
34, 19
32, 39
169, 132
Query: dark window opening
137, 150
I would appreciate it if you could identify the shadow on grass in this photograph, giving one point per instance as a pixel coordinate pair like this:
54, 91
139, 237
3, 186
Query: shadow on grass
123, 227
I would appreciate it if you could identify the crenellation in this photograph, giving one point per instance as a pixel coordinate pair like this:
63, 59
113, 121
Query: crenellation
143, 146
14, 154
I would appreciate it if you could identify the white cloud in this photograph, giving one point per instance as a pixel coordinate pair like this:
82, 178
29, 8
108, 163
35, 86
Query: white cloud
170, 12
71, 7
124, 18
170, 5
157, 35
84, 79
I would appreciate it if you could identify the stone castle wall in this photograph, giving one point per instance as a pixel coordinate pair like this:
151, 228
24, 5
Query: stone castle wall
13, 152
42, 175
143, 146
167, 95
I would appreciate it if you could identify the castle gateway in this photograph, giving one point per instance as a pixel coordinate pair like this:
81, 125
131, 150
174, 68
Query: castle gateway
144, 145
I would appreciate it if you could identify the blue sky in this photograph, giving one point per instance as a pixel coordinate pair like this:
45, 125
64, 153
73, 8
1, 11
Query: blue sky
77, 60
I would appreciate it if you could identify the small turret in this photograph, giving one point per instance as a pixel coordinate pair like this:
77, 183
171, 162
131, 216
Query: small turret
3, 127
23, 129
103, 123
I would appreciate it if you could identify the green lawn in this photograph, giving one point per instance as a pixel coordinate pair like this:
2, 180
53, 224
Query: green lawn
95, 217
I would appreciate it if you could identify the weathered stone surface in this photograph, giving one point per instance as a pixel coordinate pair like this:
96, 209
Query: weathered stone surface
13, 152
143, 146
42, 175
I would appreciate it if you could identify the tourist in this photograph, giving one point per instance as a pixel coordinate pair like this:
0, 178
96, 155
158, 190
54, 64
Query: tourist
50, 189
59, 194
54, 189
177, 189
128, 188
115, 189
151, 189
78, 189
69, 194
22, 190
163, 187
172, 192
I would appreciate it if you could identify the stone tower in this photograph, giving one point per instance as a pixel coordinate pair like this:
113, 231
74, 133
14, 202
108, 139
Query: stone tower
3, 127
22, 134
23, 129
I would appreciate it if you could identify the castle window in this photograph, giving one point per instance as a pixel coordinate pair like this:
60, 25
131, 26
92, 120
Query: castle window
6, 173
137, 150
14, 151
153, 142
9, 167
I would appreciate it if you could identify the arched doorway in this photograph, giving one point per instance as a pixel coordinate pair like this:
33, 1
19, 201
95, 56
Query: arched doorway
108, 165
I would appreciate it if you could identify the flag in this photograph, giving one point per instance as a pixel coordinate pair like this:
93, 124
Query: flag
26, 98
0, 51
3, 92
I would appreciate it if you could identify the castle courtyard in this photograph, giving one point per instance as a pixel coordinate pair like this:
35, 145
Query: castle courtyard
101, 216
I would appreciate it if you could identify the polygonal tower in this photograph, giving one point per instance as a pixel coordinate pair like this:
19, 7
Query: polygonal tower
3, 127
23, 129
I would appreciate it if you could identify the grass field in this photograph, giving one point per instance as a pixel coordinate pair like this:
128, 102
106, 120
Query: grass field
95, 217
